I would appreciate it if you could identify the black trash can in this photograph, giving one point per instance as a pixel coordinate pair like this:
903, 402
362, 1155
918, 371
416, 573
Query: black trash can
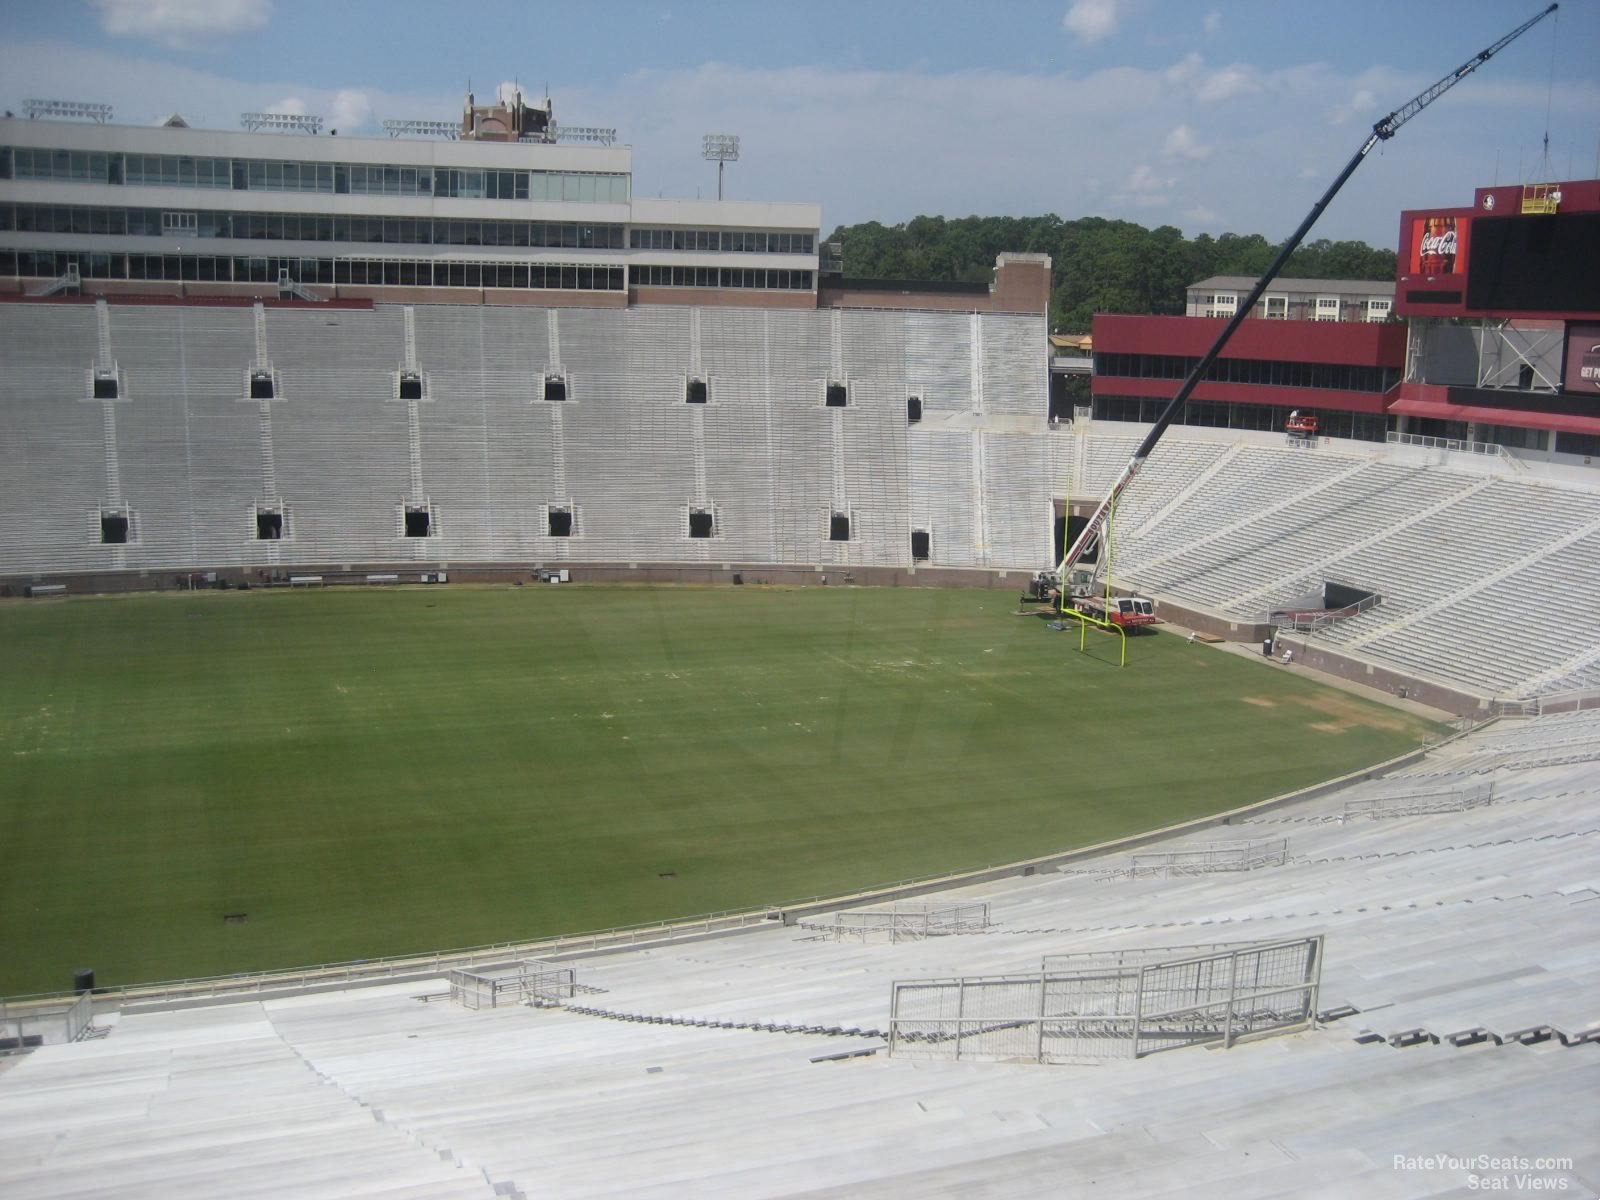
1266, 646
83, 981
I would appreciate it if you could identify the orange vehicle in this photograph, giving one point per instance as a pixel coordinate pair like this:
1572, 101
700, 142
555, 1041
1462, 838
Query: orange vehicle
1130, 612
1301, 425
1085, 594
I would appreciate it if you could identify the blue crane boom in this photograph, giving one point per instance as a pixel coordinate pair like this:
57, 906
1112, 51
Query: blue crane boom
1381, 131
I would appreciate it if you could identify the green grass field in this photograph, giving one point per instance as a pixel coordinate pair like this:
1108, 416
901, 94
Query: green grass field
368, 773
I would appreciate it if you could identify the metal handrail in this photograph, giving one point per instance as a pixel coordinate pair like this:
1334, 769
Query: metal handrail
1454, 445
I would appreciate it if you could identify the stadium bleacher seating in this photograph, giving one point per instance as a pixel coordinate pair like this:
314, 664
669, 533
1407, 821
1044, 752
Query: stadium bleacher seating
1463, 561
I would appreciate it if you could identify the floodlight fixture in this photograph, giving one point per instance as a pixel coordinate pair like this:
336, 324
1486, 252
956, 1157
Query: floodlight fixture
285, 122
74, 109
409, 128
598, 134
720, 148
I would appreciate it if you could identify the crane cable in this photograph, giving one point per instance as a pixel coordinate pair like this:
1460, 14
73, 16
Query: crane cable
1548, 171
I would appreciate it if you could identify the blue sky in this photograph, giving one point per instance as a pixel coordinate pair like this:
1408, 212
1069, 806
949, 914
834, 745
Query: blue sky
1230, 115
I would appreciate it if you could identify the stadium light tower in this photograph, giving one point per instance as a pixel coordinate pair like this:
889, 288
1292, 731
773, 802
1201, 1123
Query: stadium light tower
720, 148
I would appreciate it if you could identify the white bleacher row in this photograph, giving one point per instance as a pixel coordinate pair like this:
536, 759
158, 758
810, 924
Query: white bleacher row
1017, 497
49, 350
1217, 563
1483, 580
1470, 927
1547, 610
192, 456
941, 468
1174, 467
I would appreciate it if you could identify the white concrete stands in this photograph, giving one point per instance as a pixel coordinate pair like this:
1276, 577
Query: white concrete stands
342, 442
52, 463
1174, 466
203, 1104
484, 369
941, 473
1534, 619
1255, 481
1019, 487
1015, 375
1280, 556
1466, 927
187, 434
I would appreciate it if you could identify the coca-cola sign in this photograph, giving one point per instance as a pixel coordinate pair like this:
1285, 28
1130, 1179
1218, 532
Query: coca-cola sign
1435, 245
1441, 245
1583, 359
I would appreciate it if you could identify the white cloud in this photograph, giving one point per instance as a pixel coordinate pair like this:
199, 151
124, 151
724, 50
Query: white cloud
1212, 23
350, 110
1185, 70
1362, 102
1225, 85
1144, 179
1205, 86
1200, 217
1091, 20
182, 24
1143, 188
1181, 143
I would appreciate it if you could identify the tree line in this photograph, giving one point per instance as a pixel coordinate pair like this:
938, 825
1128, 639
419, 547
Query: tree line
1098, 265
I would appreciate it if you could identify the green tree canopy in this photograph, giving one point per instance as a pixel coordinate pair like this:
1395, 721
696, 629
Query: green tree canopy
1099, 265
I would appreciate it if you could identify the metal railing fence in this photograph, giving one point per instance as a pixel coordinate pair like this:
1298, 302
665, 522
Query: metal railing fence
1101, 1010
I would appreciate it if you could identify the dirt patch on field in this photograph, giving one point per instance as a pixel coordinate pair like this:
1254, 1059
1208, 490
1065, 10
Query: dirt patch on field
1349, 714
1260, 701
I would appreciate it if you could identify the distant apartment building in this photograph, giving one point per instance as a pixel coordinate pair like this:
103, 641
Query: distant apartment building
1293, 299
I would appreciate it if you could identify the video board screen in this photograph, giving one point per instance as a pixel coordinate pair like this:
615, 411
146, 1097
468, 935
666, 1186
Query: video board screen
1535, 264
